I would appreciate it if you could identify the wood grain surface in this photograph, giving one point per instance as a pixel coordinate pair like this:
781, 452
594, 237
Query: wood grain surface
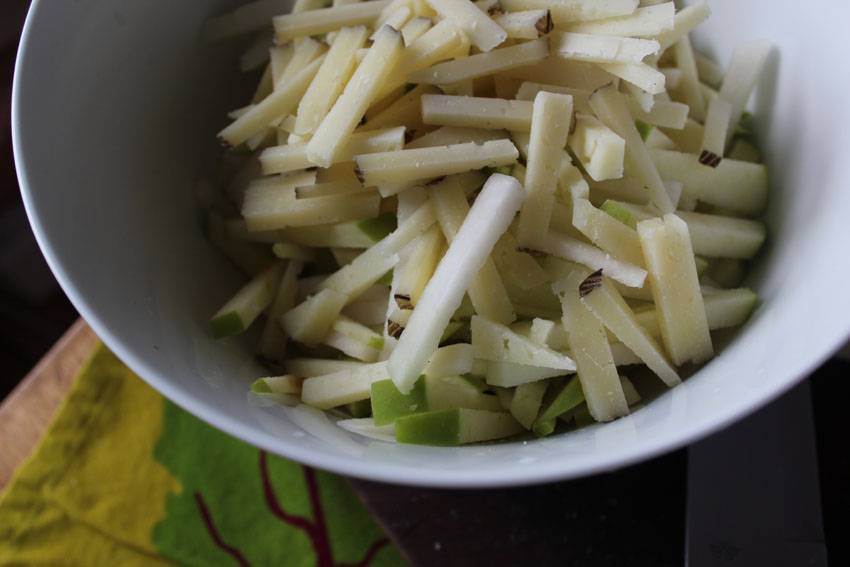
28, 410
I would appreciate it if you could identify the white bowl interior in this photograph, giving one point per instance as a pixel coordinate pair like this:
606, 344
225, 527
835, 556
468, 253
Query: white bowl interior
116, 107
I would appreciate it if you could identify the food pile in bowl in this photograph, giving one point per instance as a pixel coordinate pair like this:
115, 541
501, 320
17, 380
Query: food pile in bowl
462, 222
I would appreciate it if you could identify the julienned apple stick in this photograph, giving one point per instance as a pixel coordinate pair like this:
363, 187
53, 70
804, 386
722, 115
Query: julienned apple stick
489, 217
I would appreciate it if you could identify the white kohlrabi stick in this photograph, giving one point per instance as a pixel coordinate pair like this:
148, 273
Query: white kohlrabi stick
489, 217
742, 76
714, 135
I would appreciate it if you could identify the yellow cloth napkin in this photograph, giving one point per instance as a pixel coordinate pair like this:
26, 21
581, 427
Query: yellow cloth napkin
124, 477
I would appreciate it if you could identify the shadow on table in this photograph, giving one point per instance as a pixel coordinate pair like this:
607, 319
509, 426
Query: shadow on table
33, 310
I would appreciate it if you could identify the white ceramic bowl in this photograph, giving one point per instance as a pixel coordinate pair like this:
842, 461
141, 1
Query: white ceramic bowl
115, 109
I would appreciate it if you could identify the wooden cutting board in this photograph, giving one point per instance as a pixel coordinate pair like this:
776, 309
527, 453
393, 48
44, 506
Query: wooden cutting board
27, 411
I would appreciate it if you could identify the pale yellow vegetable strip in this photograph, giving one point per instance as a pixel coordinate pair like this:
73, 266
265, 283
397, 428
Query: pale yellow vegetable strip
486, 291
248, 303
689, 138
674, 280
309, 321
718, 236
353, 280
361, 54
550, 125
264, 213
600, 48
424, 163
327, 235
708, 93
306, 51
264, 86
658, 140
448, 135
714, 135
568, 248
396, 19
422, 9
338, 125
279, 59
405, 110
639, 98
610, 107
689, 83
343, 387
451, 360
612, 311
664, 113
646, 21
684, 21
529, 24
562, 72
565, 11
262, 138
277, 159
477, 112
274, 107
237, 112
289, 180
315, 22
741, 77
390, 8
395, 318
488, 218
519, 268
422, 257
415, 28
723, 309
528, 90
600, 151
390, 189
273, 339
484, 33
641, 75
607, 232
330, 79
735, 185
337, 172
382, 104
570, 178
589, 346
437, 44
483, 64
672, 77
526, 402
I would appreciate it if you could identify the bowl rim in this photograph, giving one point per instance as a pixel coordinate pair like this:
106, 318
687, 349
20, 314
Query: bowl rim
346, 465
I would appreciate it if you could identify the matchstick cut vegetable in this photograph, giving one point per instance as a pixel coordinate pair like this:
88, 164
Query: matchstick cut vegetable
465, 221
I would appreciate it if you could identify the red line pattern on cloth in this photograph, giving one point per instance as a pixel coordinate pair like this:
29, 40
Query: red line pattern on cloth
316, 529
216, 537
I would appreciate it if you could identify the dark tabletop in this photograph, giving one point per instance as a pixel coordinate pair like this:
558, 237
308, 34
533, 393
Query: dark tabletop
635, 516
